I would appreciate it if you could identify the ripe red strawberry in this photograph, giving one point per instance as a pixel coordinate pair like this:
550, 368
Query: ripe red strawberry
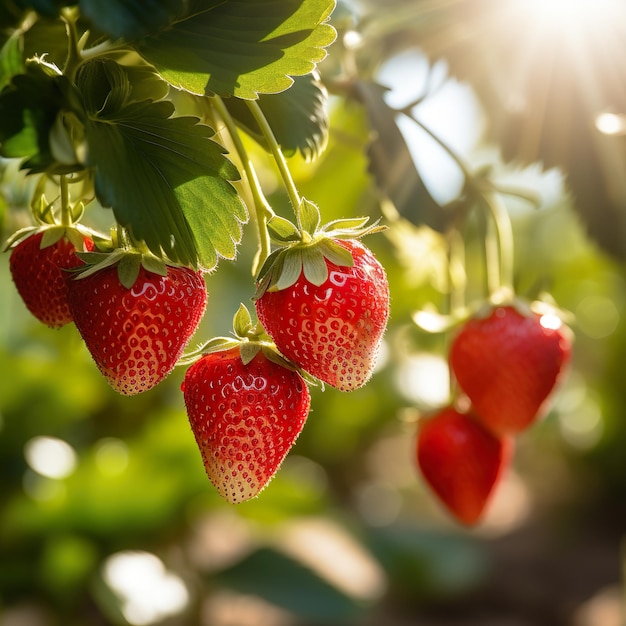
508, 363
40, 278
461, 461
136, 335
332, 331
245, 418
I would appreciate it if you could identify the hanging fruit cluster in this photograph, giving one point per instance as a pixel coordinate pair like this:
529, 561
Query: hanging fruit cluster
96, 122
506, 357
506, 364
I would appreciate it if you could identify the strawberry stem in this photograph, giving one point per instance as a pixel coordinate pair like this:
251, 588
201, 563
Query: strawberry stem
73, 54
491, 252
279, 157
494, 204
467, 175
456, 290
66, 208
263, 210
499, 249
456, 271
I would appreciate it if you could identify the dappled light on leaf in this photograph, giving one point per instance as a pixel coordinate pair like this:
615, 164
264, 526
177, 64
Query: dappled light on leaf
269, 42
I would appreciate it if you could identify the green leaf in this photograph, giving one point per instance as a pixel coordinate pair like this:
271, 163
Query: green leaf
10, 15
47, 8
153, 264
164, 177
46, 36
286, 583
298, 117
392, 166
29, 107
11, 61
241, 47
111, 85
131, 19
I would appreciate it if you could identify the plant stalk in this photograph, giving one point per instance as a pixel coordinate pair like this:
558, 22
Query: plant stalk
501, 220
66, 207
263, 210
279, 157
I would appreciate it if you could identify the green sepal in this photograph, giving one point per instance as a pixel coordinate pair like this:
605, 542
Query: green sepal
272, 354
290, 269
76, 235
96, 258
282, 230
335, 253
216, 344
51, 236
309, 215
44, 213
95, 262
272, 260
242, 321
248, 350
343, 224
308, 248
250, 338
128, 261
314, 265
128, 269
19, 235
352, 229
77, 211
153, 264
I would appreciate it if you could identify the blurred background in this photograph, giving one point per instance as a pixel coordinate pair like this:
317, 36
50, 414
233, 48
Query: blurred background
106, 514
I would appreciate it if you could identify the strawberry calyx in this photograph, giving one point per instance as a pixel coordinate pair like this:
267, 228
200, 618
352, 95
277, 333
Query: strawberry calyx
305, 247
430, 320
249, 339
128, 262
52, 234
53, 229
122, 251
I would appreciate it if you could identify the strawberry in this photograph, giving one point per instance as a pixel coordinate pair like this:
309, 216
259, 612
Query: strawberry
245, 418
461, 461
137, 333
332, 329
508, 363
38, 270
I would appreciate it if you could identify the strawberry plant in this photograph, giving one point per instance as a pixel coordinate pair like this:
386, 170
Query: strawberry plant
505, 356
124, 113
322, 162
144, 129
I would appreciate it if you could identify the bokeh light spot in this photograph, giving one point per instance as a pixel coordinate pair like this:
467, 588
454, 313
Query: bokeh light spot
50, 457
